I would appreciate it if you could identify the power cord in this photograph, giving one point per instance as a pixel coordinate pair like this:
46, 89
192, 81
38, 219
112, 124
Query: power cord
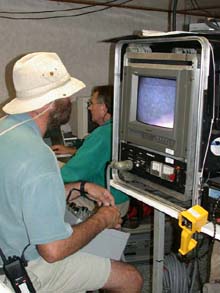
184, 274
175, 276
214, 217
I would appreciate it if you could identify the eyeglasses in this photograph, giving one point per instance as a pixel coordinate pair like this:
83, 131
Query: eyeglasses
91, 103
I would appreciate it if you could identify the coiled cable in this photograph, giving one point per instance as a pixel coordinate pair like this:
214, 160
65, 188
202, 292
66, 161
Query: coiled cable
175, 276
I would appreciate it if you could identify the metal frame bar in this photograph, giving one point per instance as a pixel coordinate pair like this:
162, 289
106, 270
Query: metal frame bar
194, 152
158, 252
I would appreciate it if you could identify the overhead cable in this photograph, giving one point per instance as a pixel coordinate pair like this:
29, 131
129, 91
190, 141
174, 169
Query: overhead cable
57, 11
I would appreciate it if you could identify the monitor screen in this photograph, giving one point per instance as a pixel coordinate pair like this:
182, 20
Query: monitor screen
156, 99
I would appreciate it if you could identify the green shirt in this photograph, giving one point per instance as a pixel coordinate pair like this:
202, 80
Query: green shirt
90, 161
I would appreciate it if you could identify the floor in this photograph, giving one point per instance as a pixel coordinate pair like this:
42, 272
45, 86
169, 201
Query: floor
139, 251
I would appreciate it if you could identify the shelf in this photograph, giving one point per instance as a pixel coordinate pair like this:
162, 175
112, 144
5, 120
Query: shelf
167, 208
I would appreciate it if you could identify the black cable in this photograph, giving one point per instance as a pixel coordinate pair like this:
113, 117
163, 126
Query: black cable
48, 11
196, 6
214, 20
195, 269
3, 256
192, 257
214, 218
22, 255
174, 14
56, 10
196, 258
193, 4
196, 263
64, 16
212, 23
70, 192
213, 112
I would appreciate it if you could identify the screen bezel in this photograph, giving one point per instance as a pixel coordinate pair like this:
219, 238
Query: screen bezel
168, 141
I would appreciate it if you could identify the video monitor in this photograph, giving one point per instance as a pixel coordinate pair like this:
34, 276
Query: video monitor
156, 101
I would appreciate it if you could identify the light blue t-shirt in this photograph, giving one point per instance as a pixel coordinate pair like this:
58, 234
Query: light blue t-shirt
32, 193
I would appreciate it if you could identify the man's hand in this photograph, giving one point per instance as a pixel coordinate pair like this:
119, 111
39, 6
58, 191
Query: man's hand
110, 215
99, 194
60, 149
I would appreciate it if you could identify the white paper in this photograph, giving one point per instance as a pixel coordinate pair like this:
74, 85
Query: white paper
110, 243
150, 33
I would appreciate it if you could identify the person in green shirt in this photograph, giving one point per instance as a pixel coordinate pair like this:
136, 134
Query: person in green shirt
90, 161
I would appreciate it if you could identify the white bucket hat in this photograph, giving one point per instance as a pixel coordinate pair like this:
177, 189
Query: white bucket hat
40, 78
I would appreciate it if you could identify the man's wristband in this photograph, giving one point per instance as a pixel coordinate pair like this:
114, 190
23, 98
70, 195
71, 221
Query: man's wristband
82, 188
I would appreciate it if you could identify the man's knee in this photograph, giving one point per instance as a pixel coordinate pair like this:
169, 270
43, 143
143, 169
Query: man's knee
124, 276
136, 277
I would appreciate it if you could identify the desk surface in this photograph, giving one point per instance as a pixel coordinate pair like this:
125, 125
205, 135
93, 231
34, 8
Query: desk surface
167, 208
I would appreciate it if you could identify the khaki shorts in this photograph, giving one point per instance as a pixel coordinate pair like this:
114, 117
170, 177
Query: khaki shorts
77, 273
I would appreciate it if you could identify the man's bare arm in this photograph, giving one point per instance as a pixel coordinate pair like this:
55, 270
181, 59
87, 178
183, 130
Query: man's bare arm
60, 149
106, 217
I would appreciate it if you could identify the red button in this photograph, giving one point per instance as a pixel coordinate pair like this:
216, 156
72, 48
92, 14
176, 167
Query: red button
172, 177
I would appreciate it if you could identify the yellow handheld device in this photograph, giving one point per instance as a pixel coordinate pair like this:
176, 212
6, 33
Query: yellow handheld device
191, 221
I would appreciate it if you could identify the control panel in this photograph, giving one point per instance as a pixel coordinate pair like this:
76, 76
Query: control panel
163, 170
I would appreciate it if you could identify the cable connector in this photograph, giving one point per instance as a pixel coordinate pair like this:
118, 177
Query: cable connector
121, 165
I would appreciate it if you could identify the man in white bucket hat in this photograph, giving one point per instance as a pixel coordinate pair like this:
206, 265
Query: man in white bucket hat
32, 192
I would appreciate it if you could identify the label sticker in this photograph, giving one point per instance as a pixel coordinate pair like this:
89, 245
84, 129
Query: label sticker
169, 160
169, 151
215, 146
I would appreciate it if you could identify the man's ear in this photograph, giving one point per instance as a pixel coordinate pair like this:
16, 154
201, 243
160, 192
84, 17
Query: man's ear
105, 108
